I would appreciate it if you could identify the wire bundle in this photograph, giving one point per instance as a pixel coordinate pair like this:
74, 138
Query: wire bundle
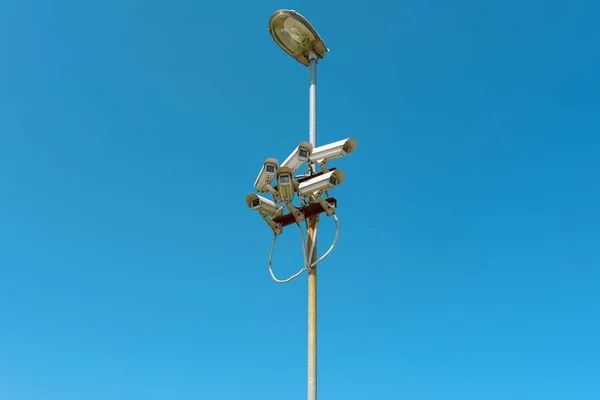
307, 264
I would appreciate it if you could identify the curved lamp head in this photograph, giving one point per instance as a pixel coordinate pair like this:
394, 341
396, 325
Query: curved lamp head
295, 35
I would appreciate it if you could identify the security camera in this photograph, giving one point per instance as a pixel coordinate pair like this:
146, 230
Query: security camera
262, 205
341, 148
300, 155
287, 186
266, 175
321, 183
266, 209
316, 186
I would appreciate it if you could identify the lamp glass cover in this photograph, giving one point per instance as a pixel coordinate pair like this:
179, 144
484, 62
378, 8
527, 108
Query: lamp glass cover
292, 34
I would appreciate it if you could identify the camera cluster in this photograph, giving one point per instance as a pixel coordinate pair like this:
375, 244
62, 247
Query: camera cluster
282, 184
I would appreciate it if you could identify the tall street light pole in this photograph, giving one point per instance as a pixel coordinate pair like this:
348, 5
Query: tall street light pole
312, 273
296, 36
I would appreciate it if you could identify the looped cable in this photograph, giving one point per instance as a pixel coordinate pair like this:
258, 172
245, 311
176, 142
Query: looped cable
307, 265
297, 274
335, 238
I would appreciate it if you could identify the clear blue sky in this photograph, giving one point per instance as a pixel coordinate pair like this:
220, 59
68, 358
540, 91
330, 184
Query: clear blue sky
468, 261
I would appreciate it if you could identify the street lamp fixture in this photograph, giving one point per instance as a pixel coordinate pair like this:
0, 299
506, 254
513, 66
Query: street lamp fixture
296, 36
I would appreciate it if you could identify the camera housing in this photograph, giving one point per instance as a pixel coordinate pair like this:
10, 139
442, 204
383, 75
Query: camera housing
299, 156
262, 205
321, 183
266, 208
286, 184
266, 175
341, 148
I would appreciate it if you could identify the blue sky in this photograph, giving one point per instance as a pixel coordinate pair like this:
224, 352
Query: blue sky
467, 264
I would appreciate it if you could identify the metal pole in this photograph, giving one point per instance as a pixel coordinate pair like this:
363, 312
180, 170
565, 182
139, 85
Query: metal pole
312, 276
312, 116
